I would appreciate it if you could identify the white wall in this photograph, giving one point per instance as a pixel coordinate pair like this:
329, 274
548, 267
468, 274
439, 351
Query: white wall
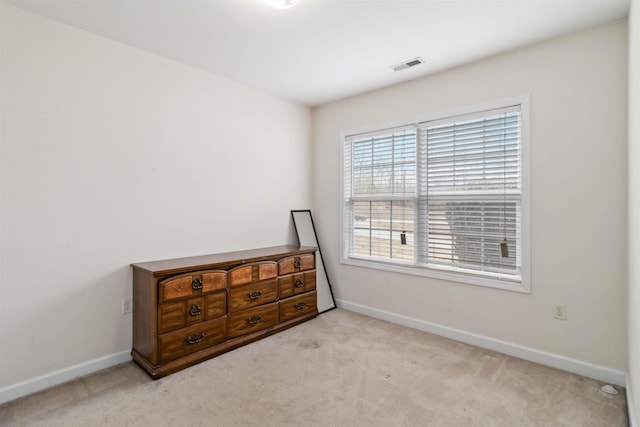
578, 88
634, 213
110, 156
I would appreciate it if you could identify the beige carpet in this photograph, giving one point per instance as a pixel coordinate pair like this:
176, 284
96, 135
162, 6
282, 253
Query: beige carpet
340, 369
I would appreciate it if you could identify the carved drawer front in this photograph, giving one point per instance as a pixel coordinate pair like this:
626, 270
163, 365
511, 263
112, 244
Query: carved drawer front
298, 283
179, 314
252, 295
252, 320
194, 310
216, 305
176, 315
213, 280
173, 345
300, 305
192, 284
170, 317
294, 264
252, 273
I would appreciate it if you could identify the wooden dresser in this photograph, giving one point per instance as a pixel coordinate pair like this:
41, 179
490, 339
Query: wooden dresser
188, 310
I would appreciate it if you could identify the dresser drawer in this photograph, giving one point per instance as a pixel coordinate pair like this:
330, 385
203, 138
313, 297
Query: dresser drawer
300, 305
179, 314
294, 264
252, 295
252, 320
192, 284
298, 283
215, 305
176, 315
173, 345
252, 273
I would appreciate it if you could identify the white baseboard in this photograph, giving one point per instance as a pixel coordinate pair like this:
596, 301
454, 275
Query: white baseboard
600, 373
33, 385
631, 411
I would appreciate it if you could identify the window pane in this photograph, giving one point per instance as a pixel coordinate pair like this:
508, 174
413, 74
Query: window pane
480, 154
469, 234
380, 229
384, 165
361, 238
383, 229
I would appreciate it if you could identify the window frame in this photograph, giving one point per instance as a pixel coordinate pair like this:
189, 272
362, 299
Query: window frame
493, 280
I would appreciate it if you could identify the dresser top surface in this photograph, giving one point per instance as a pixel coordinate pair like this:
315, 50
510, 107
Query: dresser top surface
203, 261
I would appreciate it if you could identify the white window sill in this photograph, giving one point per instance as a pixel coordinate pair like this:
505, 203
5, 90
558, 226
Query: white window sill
496, 282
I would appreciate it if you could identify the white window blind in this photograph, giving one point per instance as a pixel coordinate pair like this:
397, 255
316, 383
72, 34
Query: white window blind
443, 196
380, 190
470, 202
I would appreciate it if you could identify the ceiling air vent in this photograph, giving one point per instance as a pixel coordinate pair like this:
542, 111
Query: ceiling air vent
407, 64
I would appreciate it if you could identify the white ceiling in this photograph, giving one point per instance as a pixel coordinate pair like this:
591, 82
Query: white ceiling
323, 50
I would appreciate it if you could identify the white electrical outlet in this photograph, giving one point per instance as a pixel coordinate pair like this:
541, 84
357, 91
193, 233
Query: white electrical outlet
126, 306
560, 311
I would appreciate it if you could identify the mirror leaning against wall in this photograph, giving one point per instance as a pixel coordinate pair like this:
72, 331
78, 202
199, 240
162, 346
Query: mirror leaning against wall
306, 231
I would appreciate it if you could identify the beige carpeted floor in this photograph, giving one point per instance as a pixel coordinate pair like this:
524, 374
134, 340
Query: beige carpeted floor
340, 369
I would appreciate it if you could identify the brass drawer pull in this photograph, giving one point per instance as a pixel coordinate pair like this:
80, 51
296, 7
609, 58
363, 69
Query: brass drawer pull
299, 283
255, 319
300, 305
296, 263
196, 284
195, 339
255, 294
196, 310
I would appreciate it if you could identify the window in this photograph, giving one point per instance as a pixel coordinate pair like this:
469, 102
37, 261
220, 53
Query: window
444, 197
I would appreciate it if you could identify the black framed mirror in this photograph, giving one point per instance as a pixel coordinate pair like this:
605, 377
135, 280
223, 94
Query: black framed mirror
306, 232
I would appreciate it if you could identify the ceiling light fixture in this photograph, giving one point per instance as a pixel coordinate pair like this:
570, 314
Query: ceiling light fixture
282, 4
